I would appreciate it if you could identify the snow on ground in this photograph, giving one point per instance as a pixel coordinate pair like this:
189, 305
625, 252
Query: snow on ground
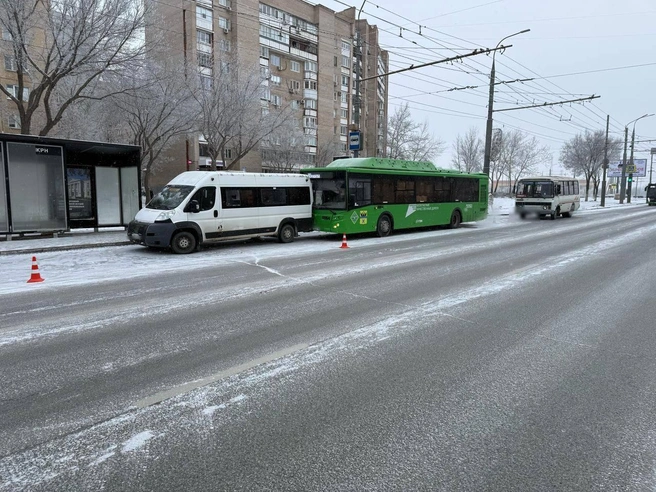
61, 262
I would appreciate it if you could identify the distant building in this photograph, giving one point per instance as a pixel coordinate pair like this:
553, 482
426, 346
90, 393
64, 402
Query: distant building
311, 59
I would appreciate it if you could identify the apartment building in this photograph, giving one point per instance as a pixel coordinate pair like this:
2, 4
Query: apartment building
9, 119
310, 59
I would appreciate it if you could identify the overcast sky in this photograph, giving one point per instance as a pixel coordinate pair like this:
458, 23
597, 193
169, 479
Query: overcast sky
566, 37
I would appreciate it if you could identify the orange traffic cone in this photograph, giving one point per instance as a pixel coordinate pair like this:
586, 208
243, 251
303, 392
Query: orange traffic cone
344, 245
36, 276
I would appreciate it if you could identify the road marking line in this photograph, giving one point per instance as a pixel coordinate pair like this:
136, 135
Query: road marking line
185, 388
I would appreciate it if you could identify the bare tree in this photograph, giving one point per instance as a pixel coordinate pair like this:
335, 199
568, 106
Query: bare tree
61, 49
518, 154
234, 113
584, 154
468, 152
156, 103
283, 150
327, 151
409, 140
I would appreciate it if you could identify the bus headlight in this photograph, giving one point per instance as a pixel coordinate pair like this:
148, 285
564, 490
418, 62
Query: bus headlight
164, 216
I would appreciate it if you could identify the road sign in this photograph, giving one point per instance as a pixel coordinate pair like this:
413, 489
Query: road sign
653, 150
354, 141
631, 168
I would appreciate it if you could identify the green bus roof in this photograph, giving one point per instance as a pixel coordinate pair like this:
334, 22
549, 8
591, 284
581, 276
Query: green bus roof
364, 164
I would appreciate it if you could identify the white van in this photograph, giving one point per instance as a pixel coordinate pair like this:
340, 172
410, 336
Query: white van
200, 207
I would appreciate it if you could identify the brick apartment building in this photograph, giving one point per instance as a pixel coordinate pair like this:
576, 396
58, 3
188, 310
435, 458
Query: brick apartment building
310, 56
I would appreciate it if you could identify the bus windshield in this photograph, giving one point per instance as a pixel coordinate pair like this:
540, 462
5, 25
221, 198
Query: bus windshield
330, 193
535, 189
170, 197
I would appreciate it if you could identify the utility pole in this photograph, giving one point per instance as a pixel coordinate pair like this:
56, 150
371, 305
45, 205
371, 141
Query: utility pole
490, 108
605, 165
628, 195
623, 178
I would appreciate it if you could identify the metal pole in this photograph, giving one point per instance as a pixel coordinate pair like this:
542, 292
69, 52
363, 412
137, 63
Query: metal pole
628, 195
358, 57
651, 164
605, 165
623, 178
490, 109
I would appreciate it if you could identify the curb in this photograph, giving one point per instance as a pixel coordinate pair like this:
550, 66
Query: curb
30, 251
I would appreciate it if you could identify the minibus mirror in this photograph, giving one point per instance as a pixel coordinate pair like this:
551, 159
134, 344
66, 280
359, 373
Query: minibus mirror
194, 206
558, 190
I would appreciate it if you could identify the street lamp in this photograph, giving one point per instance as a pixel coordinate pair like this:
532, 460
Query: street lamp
626, 134
490, 107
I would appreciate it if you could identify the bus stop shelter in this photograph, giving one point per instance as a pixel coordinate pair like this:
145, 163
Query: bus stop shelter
53, 185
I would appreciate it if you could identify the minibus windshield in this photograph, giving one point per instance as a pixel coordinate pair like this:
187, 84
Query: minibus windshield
535, 189
170, 197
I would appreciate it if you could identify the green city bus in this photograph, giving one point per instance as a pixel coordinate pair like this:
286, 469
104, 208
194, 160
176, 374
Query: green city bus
353, 196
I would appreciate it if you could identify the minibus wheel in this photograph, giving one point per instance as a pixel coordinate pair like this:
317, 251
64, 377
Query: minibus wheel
183, 243
286, 233
555, 214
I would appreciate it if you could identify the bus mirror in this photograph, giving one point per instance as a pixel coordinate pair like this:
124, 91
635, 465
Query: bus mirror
558, 189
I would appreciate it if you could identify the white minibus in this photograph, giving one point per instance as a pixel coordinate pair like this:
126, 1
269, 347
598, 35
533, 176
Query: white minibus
199, 207
547, 196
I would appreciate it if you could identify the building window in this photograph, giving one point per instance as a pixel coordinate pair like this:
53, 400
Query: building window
296, 85
276, 100
311, 66
206, 82
10, 63
344, 97
346, 61
275, 80
13, 90
204, 60
264, 52
295, 104
224, 3
275, 60
311, 84
225, 67
6, 35
224, 45
345, 80
309, 122
310, 104
346, 46
204, 37
342, 130
224, 23
203, 14
344, 113
13, 121
295, 66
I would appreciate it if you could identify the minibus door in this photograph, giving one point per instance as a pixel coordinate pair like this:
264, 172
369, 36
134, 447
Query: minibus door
203, 209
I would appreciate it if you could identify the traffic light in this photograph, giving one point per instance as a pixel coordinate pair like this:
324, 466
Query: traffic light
630, 179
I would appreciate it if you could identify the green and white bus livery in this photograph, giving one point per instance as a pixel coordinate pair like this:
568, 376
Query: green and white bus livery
353, 196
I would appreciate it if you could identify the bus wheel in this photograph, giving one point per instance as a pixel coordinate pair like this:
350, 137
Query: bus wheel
286, 233
183, 243
522, 215
455, 220
555, 214
384, 227
569, 214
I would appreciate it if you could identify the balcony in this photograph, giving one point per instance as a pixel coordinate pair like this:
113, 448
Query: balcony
303, 54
